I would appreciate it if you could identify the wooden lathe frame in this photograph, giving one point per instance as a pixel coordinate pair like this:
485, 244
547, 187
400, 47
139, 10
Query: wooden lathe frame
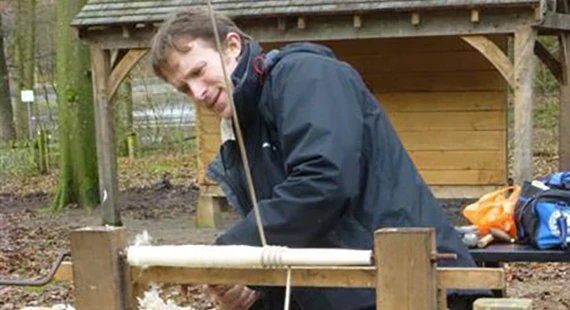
405, 272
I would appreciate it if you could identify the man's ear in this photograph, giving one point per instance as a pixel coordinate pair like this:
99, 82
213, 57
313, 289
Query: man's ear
233, 45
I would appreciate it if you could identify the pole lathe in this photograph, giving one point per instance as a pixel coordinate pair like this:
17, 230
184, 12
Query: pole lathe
404, 269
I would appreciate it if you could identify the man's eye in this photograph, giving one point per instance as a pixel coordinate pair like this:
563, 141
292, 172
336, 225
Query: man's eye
183, 89
197, 72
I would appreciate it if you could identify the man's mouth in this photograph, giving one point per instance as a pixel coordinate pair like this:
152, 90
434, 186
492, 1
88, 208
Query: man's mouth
212, 103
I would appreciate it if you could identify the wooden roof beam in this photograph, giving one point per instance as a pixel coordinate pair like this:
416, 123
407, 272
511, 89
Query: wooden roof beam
341, 27
555, 21
393, 25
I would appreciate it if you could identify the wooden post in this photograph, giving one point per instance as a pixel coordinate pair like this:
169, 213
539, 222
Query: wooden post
105, 123
208, 211
564, 132
525, 37
99, 271
407, 277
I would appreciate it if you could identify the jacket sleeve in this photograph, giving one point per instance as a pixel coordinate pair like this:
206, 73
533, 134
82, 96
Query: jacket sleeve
316, 107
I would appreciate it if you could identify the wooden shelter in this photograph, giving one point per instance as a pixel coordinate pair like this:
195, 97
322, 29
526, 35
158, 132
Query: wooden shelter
439, 67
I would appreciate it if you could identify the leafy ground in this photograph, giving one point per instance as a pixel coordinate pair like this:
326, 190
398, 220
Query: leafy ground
159, 195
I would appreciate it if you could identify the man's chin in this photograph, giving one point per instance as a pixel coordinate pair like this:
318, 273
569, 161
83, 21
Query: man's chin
227, 113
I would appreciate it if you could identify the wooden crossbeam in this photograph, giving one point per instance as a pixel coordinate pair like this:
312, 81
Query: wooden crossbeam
355, 277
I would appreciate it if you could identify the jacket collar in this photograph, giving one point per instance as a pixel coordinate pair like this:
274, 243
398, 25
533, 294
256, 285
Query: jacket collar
248, 83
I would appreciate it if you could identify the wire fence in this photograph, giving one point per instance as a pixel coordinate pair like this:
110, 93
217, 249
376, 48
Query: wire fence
162, 121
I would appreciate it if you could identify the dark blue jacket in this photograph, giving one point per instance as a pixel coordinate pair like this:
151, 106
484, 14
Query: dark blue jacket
328, 167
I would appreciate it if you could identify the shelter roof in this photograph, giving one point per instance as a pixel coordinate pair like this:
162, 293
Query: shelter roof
120, 12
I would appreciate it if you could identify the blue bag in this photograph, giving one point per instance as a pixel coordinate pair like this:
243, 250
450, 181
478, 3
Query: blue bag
543, 218
558, 180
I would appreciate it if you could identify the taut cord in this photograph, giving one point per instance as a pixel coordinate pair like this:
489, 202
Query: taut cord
245, 162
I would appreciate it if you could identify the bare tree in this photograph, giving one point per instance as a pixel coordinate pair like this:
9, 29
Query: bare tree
78, 160
7, 130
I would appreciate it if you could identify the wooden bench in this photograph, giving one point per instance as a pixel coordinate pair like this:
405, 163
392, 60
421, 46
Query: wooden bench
502, 253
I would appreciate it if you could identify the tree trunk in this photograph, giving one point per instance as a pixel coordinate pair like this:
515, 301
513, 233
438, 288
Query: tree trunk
7, 130
20, 110
78, 161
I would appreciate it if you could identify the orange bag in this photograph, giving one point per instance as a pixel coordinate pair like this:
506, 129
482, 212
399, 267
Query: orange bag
495, 210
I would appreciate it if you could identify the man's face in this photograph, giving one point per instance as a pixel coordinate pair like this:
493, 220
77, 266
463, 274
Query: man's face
198, 73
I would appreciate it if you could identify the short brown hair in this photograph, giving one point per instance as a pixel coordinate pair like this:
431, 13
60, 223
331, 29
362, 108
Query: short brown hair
184, 25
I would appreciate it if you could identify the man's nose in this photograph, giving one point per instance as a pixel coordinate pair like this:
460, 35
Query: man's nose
198, 90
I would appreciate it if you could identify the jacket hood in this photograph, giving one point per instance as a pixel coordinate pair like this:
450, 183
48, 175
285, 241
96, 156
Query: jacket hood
254, 66
275, 56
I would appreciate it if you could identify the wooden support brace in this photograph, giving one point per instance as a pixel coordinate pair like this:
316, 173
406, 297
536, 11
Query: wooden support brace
525, 38
415, 18
301, 22
404, 269
494, 54
122, 69
98, 268
549, 61
357, 21
474, 16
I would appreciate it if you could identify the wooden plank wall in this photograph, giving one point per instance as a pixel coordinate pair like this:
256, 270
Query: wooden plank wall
446, 101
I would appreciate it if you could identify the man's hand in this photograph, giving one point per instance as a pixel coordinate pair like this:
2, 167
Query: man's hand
237, 297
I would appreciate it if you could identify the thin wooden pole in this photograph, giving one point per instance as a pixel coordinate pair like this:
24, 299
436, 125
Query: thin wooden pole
525, 37
105, 123
406, 275
564, 132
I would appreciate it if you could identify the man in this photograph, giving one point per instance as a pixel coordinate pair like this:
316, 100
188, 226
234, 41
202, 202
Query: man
327, 165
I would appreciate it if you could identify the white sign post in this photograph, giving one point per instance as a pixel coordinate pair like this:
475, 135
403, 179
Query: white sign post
27, 97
